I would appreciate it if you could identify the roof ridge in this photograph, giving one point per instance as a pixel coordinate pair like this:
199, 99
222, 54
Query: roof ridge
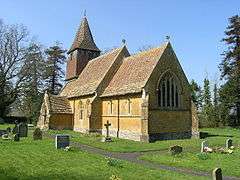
105, 54
164, 45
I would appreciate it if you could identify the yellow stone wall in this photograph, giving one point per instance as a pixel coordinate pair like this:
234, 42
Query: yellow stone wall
168, 120
84, 105
61, 121
125, 121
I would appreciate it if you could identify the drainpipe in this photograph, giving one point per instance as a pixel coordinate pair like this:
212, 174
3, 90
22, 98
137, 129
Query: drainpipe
118, 119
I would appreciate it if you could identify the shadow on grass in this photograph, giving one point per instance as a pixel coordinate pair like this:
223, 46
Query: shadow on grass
204, 135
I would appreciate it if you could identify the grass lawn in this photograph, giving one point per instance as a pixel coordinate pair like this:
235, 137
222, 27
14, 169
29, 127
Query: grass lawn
122, 145
188, 159
30, 159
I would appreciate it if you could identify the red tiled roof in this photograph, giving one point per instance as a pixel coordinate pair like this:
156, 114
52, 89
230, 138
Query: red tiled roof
84, 39
91, 76
134, 72
59, 104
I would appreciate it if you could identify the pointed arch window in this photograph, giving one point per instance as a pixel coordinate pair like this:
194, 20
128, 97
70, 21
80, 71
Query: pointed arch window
168, 91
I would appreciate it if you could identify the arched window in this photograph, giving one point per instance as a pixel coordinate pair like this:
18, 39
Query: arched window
168, 91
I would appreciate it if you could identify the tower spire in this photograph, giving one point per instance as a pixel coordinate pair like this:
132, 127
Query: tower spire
82, 51
83, 38
85, 13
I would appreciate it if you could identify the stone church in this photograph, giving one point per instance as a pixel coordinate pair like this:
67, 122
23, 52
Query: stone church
145, 96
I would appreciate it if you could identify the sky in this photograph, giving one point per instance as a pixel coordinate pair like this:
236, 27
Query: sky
195, 27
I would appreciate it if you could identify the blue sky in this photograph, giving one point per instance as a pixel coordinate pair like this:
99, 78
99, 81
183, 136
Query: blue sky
195, 26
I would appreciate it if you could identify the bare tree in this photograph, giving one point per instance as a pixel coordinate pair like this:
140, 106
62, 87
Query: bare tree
13, 39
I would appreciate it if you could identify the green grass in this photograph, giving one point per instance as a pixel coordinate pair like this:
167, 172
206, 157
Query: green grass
30, 159
5, 126
122, 145
188, 159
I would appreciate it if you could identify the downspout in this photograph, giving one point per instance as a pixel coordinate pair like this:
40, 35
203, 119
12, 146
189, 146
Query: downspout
118, 119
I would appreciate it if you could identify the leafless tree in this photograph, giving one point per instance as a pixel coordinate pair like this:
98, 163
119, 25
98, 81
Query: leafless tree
13, 39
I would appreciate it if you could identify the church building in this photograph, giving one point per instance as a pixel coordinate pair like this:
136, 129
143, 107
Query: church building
145, 96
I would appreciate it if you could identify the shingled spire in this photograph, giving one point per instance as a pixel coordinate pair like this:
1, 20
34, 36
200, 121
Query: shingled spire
82, 51
84, 39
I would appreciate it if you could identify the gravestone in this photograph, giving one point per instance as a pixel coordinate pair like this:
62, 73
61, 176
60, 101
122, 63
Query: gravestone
16, 137
229, 143
174, 150
107, 138
37, 134
22, 129
204, 145
217, 174
62, 141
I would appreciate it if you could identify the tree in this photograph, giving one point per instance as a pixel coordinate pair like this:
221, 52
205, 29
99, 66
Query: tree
207, 112
54, 72
12, 54
33, 85
230, 67
196, 94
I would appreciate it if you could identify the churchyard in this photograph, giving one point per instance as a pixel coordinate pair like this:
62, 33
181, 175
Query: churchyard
41, 159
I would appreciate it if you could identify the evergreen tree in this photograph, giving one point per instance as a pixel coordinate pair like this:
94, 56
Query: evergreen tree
230, 68
207, 104
54, 72
32, 90
196, 94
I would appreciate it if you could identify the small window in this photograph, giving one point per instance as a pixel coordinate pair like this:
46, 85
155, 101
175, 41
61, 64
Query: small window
110, 107
129, 106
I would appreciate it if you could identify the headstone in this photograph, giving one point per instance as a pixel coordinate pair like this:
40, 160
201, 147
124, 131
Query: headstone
16, 137
107, 138
175, 150
62, 141
22, 129
203, 146
217, 174
229, 143
37, 134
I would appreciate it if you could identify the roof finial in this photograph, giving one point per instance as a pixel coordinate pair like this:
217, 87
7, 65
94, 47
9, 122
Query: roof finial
85, 13
124, 41
168, 38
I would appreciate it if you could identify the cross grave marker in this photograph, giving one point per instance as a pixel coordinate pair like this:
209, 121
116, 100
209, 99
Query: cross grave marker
107, 138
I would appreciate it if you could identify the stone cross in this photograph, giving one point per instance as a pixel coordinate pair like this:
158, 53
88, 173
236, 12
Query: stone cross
229, 143
217, 174
203, 145
108, 138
